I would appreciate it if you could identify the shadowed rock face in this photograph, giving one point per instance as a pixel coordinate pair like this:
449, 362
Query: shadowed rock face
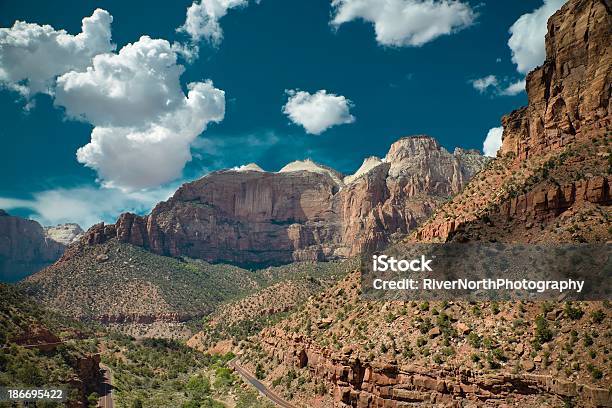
24, 248
304, 212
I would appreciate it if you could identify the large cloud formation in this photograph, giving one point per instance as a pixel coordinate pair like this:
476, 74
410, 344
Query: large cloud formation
406, 22
31, 55
144, 124
493, 141
527, 36
202, 20
319, 111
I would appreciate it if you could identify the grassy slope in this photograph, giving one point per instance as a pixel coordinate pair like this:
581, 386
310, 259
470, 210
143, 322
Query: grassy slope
136, 282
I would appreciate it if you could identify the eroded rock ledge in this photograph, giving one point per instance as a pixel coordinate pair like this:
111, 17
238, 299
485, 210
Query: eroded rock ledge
361, 384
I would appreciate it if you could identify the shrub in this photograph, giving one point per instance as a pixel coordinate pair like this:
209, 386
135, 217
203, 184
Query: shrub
598, 316
543, 332
574, 313
474, 339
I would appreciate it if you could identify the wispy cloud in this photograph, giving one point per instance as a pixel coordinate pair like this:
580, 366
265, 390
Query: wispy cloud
494, 86
86, 205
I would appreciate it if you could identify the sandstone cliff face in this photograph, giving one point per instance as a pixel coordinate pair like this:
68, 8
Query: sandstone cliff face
358, 383
554, 164
569, 95
24, 248
303, 212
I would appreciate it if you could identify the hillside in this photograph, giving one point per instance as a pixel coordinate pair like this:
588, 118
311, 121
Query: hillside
236, 320
144, 294
341, 348
73, 364
121, 283
550, 183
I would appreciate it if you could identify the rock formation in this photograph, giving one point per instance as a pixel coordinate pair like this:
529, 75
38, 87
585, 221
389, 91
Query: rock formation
64, 233
24, 247
554, 163
303, 212
569, 95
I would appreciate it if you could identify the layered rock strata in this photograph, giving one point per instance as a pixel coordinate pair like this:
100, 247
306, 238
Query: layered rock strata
303, 212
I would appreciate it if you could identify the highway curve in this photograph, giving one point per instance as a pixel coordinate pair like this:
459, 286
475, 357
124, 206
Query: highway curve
265, 391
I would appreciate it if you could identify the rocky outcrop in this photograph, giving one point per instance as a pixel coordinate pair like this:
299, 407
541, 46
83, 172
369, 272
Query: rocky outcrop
303, 212
569, 95
553, 159
534, 206
355, 382
24, 248
65, 234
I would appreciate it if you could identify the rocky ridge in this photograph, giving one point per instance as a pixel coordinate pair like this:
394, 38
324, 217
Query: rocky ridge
550, 183
303, 212
25, 247
553, 168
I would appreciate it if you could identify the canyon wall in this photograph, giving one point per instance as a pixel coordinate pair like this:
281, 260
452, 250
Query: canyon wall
303, 212
569, 95
24, 248
361, 384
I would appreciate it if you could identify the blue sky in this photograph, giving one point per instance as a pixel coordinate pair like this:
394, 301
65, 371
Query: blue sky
377, 89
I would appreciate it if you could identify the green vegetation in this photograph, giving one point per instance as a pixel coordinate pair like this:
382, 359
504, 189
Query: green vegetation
22, 322
156, 372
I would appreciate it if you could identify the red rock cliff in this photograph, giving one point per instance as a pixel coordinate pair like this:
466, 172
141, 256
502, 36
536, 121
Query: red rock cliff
303, 212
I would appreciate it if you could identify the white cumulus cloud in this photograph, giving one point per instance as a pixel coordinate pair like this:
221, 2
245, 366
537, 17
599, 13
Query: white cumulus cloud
482, 84
144, 124
155, 152
319, 111
86, 205
202, 20
527, 36
493, 141
31, 55
406, 22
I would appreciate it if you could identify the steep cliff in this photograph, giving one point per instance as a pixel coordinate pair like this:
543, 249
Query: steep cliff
303, 212
553, 169
24, 247
550, 183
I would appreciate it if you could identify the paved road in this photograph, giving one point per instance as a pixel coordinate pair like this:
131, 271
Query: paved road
106, 392
259, 386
